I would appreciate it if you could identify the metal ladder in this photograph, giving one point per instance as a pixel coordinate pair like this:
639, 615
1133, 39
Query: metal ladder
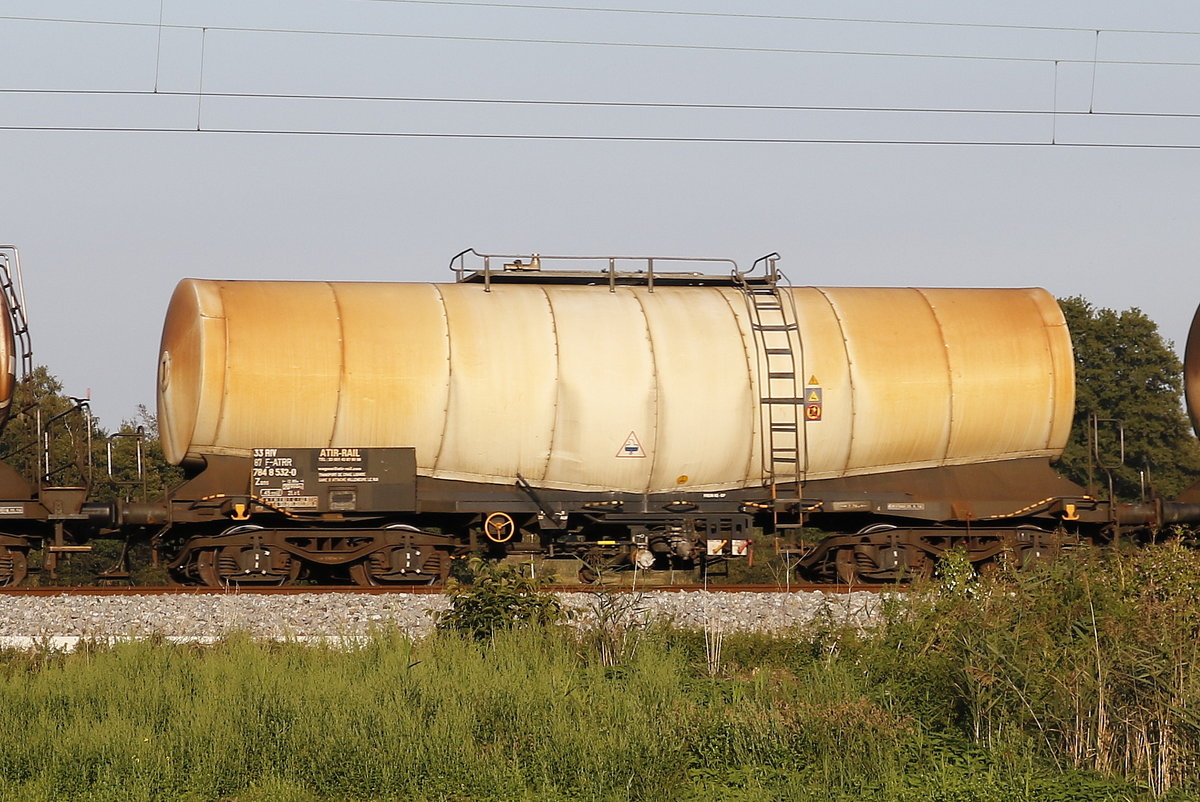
12, 287
780, 370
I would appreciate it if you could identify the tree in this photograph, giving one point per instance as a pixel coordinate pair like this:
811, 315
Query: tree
39, 406
43, 415
157, 475
1127, 376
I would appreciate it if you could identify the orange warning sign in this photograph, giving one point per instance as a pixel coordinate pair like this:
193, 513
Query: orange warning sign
812, 412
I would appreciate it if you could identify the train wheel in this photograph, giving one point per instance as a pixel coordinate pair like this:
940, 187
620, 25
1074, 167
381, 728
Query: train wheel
245, 565
411, 564
397, 565
1033, 543
847, 569
14, 566
919, 565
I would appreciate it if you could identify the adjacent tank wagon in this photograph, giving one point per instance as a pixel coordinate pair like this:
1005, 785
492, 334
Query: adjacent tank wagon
43, 494
646, 412
1191, 372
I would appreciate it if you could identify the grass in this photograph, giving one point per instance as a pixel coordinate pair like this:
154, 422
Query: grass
1074, 681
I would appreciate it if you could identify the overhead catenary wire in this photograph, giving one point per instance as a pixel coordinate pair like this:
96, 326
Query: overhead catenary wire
630, 104
1060, 144
778, 17
1052, 114
627, 44
614, 10
1051, 138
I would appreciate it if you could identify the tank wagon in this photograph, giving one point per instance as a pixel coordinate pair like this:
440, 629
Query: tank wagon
1191, 372
48, 510
1191, 392
635, 412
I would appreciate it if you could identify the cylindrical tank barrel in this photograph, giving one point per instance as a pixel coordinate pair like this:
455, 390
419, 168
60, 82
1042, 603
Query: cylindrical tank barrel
8, 360
1191, 372
636, 390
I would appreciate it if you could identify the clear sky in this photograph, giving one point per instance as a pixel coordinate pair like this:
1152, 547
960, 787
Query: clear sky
869, 143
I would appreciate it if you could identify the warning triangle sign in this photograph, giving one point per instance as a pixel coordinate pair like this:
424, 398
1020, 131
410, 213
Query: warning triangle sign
632, 447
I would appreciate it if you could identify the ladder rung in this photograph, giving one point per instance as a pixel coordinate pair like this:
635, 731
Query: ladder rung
784, 427
777, 375
795, 402
768, 307
777, 351
774, 326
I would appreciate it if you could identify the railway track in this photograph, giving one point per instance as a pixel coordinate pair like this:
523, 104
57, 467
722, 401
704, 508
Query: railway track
292, 590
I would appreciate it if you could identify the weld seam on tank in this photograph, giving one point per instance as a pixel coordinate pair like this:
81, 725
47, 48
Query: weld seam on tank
755, 409
851, 390
937, 321
653, 455
557, 385
435, 464
224, 394
339, 412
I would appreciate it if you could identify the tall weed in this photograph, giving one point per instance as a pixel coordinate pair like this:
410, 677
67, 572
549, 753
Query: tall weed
1091, 656
1074, 680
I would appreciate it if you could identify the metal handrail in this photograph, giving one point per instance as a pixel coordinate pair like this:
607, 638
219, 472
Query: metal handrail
138, 436
46, 469
771, 271
610, 271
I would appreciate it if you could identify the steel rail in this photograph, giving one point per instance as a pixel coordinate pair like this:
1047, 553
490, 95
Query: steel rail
293, 590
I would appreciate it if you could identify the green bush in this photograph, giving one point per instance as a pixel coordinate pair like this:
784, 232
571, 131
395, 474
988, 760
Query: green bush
498, 598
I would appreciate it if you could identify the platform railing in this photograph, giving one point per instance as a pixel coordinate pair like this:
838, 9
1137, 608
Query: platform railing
612, 270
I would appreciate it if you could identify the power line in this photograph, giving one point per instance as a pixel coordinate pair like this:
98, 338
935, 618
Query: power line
200, 95
635, 45
606, 138
782, 17
625, 104
704, 14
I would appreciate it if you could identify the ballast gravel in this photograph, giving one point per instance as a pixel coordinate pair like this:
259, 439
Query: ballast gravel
62, 621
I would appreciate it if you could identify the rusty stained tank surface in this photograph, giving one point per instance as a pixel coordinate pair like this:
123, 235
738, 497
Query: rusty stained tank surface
8, 360
576, 387
1191, 372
